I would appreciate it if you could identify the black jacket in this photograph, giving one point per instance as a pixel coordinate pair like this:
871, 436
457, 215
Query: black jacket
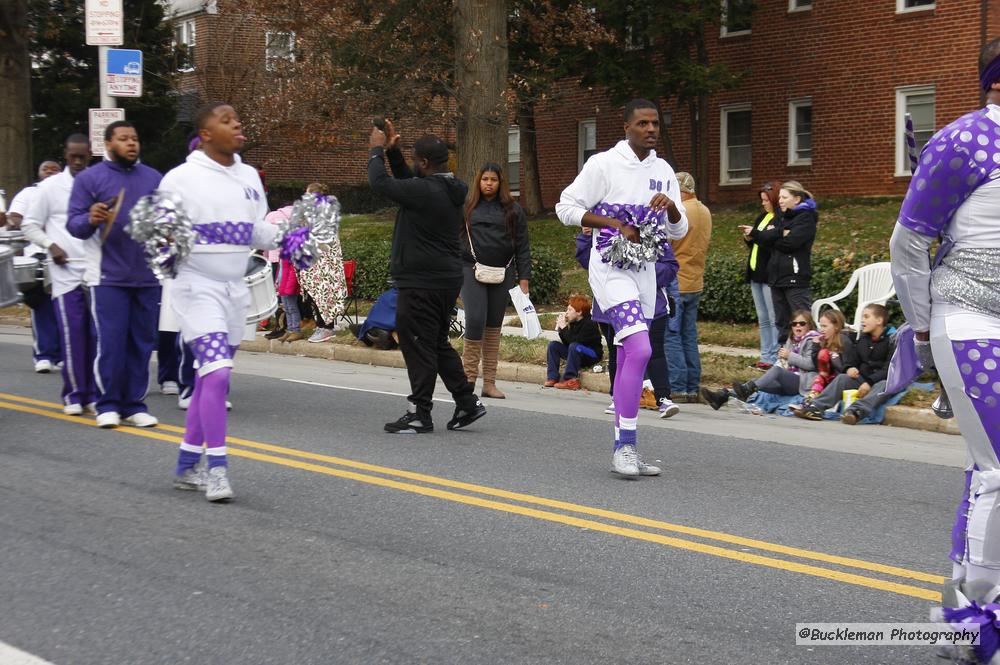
425, 240
492, 241
789, 263
758, 273
872, 357
584, 331
840, 361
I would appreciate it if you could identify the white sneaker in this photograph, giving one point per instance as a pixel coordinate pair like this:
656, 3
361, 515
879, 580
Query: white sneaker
184, 401
43, 366
320, 335
229, 405
170, 388
610, 408
668, 408
142, 419
192, 480
73, 410
108, 419
90, 409
647, 469
217, 485
625, 461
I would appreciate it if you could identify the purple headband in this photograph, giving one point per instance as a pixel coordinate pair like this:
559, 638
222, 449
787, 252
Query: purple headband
193, 145
990, 74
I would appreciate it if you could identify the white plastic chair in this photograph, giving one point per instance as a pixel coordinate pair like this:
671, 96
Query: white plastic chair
874, 283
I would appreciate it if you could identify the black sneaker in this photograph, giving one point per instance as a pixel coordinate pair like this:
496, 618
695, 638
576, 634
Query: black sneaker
810, 412
715, 398
851, 416
465, 416
411, 423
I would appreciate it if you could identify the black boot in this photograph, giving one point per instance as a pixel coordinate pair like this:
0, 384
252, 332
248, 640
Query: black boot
715, 398
744, 390
279, 325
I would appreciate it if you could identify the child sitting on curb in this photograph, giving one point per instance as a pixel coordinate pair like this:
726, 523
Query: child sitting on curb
867, 365
579, 345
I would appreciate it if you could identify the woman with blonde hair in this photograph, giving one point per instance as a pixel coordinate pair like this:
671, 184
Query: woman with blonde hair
495, 237
790, 240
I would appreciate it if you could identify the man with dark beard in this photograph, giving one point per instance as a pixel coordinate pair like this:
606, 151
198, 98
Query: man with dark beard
125, 296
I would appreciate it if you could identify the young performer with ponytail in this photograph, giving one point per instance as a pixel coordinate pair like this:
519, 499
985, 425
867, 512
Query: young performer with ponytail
953, 307
615, 189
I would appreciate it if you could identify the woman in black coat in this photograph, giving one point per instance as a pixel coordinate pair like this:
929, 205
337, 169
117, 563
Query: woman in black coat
756, 273
790, 242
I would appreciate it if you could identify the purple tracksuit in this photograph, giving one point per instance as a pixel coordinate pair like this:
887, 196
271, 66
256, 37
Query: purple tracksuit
125, 295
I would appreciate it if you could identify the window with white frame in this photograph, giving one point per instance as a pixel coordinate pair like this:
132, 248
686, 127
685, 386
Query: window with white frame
514, 158
587, 142
735, 150
736, 15
913, 5
278, 47
800, 132
918, 101
799, 5
185, 40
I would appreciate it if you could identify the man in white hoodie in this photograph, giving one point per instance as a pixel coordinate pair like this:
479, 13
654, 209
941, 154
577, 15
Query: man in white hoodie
615, 186
226, 203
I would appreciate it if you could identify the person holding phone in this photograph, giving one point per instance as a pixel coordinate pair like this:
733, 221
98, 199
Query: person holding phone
756, 273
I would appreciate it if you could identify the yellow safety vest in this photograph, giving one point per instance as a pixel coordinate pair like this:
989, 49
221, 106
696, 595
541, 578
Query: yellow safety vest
753, 250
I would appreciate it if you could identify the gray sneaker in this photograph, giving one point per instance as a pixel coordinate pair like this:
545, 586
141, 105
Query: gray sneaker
217, 485
192, 480
625, 461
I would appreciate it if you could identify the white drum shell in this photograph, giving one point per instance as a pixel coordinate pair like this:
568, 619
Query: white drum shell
263, 295
9, 294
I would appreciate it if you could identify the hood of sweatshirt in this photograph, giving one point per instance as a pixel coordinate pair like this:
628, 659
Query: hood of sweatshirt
625, 153
455, 188
201, 159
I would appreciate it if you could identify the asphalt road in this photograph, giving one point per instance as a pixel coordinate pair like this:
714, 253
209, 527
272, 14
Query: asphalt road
508, 543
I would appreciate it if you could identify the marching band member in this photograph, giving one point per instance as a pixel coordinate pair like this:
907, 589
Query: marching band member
616, 192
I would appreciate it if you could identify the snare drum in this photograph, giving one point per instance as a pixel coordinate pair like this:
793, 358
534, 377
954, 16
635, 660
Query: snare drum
8, 282
26, 273
13, 239
263, 295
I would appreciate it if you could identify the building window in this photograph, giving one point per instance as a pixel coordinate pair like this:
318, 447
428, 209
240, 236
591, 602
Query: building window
278, 47
800, 132
736, 15
587, 142
735, 149
184, 43
799, 5
918, 101
514, 158
913, 5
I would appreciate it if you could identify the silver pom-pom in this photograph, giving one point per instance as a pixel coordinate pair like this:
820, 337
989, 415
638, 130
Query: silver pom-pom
159, 223
615, 249
320, 213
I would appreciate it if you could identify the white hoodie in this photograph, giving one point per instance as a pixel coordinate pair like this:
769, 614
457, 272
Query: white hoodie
216, 195
618, 176
45, 223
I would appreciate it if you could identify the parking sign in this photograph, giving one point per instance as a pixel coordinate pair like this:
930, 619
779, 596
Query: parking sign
124, 72
99, 119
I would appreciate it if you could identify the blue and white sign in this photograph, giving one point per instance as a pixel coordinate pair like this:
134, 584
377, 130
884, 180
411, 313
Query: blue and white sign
124, 72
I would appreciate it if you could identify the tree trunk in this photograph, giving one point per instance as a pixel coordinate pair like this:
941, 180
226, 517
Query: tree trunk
481, 79
531, 189
15, 97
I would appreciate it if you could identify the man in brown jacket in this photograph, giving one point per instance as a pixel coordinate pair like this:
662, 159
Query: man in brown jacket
682, 335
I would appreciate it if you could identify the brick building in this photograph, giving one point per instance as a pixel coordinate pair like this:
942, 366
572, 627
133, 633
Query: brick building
826, 86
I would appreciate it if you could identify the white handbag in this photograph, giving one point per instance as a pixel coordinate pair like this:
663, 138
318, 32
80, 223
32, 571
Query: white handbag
483, 273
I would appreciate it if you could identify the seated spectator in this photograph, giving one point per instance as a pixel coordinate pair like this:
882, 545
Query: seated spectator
579, 345
866, 366
378, 328
792, 375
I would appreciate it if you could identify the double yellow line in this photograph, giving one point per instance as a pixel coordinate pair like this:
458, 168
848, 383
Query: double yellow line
541, 508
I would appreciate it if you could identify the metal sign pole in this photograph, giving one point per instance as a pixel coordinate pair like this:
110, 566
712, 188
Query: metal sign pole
107, 101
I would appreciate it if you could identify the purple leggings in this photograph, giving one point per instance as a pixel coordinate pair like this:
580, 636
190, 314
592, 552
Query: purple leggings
633, 356
207, 416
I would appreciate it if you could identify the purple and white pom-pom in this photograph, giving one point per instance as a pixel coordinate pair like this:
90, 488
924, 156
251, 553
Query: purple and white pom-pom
159, 223
620, 252
319, 212
298, 246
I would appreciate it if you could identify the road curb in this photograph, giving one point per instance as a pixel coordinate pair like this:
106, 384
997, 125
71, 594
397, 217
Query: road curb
908, 417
